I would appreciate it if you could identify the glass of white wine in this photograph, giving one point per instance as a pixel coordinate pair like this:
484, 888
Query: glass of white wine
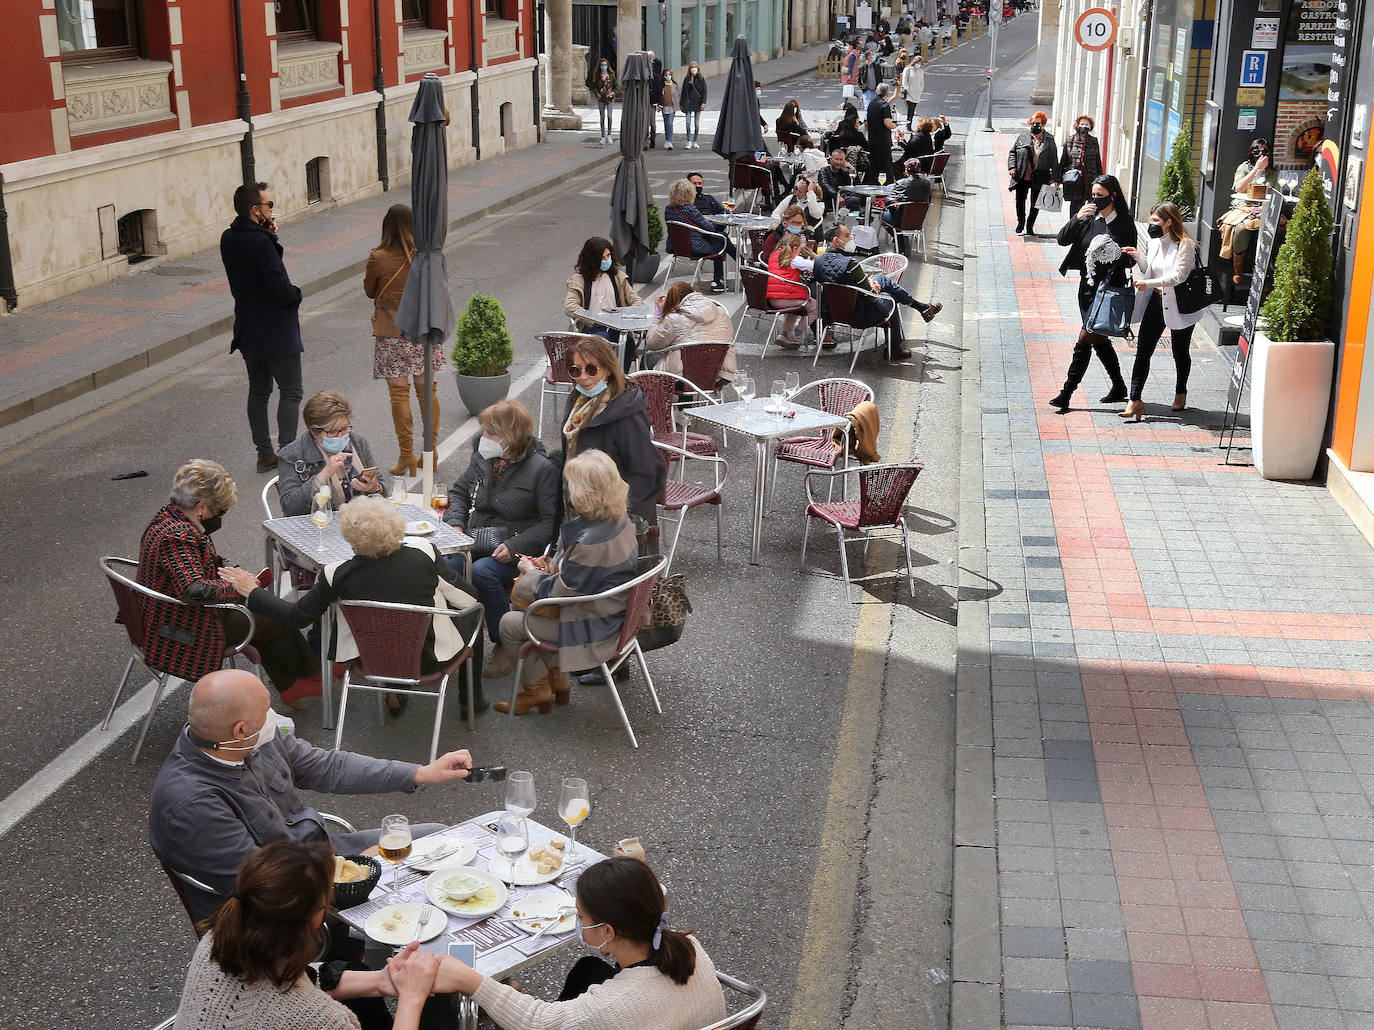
394, 843
520, 793
744, 386
398, 493
512, 841
793, 382
574, 805
882, 178
320, 511
776, 395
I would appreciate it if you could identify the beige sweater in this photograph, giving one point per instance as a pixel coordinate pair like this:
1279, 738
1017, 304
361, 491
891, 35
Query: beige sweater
212, 1000
639, 998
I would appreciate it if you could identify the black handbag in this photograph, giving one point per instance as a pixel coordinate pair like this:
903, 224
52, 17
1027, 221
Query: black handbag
486, 539
1201, 289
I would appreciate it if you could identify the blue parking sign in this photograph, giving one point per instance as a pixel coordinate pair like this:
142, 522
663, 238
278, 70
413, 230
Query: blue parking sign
1253, 64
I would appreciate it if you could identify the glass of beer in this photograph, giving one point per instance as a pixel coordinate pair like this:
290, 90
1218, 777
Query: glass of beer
321, 509
394, 844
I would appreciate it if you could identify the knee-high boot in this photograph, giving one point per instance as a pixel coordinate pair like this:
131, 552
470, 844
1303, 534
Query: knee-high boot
420, 396
403, 420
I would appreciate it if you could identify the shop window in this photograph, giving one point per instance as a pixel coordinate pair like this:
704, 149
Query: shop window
297, 20
316, 180
133, 235
98, 29
415, 13
494, 8
685, 36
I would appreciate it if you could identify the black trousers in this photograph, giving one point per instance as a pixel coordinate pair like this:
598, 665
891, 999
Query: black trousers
284, 652
910, 113
1147, 338
1026, 219
285, 371
1088, 344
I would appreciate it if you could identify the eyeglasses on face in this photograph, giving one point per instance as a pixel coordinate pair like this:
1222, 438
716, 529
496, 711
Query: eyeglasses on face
341, 431
591, 368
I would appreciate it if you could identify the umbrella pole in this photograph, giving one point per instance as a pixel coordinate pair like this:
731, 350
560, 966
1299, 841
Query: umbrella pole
427, 458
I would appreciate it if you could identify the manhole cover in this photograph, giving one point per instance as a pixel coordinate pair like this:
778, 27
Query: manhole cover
181, 270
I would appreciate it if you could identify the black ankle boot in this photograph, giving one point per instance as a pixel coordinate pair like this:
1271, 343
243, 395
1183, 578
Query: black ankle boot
1118, 393
1061, 400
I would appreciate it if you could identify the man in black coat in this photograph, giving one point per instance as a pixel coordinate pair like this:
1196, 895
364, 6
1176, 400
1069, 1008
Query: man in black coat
655, 97
267, 327
880, 127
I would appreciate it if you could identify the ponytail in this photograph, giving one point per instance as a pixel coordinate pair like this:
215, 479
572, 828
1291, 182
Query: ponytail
675, 956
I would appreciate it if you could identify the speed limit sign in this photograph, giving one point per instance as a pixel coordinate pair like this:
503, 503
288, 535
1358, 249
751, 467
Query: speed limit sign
1095, 29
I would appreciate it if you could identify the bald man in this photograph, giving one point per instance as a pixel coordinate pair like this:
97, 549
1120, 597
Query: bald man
229, 786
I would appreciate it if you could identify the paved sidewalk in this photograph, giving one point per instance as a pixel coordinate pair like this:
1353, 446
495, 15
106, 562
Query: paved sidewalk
1179, 660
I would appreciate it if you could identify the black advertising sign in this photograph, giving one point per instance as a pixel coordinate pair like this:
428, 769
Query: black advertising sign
1264, 254
1312, 21
1346, 25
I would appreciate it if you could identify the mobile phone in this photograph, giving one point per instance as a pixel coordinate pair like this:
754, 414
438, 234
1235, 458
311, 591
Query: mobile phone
368, 472
464, 951
495, 773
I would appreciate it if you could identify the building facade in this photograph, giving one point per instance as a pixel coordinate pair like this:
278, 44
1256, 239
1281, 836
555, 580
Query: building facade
122, 134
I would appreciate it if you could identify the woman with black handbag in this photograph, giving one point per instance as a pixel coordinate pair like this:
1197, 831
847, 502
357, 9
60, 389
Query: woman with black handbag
1102, 228
1079, 163
1168, 259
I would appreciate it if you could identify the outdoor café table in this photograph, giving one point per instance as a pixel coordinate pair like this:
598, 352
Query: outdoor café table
738, 223
868, 193
637, 320
299, 535
751, 419
503, 948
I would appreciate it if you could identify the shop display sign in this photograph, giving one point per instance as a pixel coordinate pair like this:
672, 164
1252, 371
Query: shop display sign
1250, 96
1247, 118
1313, 21
1264, 254
1253, 66
1266, 34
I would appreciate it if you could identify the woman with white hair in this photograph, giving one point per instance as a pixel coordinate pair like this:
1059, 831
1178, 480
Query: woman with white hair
682, 196
386, 566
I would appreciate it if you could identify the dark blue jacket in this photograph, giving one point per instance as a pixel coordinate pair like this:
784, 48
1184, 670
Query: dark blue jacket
266, 306
701, 245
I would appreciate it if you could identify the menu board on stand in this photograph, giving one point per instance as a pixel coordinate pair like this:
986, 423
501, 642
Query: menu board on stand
1240, 371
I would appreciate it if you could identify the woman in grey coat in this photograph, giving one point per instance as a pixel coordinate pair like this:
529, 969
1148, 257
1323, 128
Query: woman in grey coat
330, 456
1033, 162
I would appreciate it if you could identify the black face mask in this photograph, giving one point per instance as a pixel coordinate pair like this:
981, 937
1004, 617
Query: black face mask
1154, 230
1036, 130
212, 524
1258, 153
1101, 203
700, 191
1084, 130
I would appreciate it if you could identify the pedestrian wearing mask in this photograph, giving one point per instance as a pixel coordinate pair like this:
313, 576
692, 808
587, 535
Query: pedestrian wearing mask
1106, 214
1032, 162
603, 87
668, 106
693, 103
1080, 163
913, 83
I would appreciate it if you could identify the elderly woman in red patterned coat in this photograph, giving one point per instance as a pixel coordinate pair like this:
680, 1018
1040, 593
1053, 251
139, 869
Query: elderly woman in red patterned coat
178, 558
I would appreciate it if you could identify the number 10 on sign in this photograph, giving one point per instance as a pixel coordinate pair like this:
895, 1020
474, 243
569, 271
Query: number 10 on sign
1095, 29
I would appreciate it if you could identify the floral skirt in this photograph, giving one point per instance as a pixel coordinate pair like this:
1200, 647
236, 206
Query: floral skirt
396, 356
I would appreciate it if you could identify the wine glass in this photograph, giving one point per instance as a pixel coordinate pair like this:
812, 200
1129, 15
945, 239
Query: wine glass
512, 841
320, 511
574, 805
439, 502
744, 386
397, 495
394, 843
776, 394
882, 178
793, 381
729, 205
520, 793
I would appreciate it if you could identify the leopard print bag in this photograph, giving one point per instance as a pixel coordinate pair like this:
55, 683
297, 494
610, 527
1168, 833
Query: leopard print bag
667, 614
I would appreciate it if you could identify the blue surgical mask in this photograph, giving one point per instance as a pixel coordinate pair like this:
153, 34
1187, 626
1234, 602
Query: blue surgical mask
592, 391
795, 230
334, 444
606, 264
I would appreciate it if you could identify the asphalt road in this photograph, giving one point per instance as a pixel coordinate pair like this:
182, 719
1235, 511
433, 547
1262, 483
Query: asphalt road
795, 794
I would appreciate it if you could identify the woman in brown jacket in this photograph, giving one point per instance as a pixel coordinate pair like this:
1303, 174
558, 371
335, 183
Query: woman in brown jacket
396, 359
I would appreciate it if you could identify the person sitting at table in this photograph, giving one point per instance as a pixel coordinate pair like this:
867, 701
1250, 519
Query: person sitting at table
912, 187
253, 966
847, 133
599, 283
386, 566
689, 317
834, 178
1239, 224
705, 202
606, 412
661, 978
807, 196
329, 456
509, 495
597, 551
231, 783
837, 266
929, 137
177, 557
789, 125
812, 160
786, 292
682, 196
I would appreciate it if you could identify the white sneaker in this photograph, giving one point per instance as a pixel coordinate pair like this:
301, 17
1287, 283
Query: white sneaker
667, 146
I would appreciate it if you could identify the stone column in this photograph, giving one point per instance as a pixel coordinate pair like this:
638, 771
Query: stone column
627, 34
558, 114
1047, 53
796, 25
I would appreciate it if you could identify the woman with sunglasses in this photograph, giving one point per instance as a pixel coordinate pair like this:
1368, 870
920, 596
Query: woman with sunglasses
661, 979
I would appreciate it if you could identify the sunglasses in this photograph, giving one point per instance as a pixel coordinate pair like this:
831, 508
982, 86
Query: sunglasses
268, 204
591, 368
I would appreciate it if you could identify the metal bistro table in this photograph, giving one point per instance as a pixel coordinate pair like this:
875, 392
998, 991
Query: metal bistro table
636, 320
503, 948
299, 535
741, 222
868, 193
750, 418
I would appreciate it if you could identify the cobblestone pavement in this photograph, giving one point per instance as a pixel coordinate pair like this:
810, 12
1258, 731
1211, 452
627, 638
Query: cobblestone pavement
1181, 664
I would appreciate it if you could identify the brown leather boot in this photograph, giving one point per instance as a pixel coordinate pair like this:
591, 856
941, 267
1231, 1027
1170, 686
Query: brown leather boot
403, 419
560, 687
536, 694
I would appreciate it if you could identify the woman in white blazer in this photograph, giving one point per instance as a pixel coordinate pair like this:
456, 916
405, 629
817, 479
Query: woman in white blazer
913, 84
1167, 259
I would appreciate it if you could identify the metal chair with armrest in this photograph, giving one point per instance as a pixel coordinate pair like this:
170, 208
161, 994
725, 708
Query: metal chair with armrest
841, 301
681, 496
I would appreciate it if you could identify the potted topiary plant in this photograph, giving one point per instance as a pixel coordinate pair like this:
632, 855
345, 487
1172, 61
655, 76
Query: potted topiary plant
1176, 181
1293, 361
482, 353
645, 266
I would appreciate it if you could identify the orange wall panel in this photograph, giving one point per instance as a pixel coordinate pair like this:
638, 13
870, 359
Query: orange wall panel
1356, 327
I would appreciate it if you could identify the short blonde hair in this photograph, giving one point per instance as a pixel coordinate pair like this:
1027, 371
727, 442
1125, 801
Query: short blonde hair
371, 526
201, 479
325, 407
594, 486
511, 421
682, 192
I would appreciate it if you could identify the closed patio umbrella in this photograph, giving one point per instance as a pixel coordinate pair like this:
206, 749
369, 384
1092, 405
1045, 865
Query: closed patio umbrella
630, 193
738, 132
426, 313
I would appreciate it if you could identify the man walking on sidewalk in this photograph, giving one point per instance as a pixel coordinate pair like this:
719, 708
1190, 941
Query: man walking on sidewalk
267, 325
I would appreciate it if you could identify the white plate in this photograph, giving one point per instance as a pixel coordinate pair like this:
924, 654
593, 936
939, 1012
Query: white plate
526, 875
395, 924
469, 909
465, 853
527, 914
421, 527
774, 411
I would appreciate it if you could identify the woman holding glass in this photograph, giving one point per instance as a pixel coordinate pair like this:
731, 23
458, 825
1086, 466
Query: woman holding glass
660, 978
329, 459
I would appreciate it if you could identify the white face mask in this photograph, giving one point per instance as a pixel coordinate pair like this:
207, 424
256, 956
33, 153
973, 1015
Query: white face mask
848, 246
594, 949
489, 448
260, 740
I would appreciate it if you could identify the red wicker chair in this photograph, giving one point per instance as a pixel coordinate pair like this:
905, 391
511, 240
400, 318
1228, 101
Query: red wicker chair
680, 236
755, 281
883, 490
911, 222
937, 169
840, 301
834, 397
681, 496
663, 391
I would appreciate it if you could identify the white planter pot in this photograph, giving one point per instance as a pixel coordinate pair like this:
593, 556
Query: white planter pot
1289, 396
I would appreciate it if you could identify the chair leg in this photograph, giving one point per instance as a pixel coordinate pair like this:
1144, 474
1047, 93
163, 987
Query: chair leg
820, 335
343, 709
806, 532
471, 680
114, 702
438, 718
542, 391
515, 686
644, 668
844, 565
619, 707
772, 486
148, 719
906, 549
720, 552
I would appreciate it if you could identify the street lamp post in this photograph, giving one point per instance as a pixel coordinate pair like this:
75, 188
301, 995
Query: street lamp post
992, 57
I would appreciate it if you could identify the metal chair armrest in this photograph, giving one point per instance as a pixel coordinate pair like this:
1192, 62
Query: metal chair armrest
721, 466
450, 613
684, 384
715, 235
558, 602
242, 610
191, 881
339, 821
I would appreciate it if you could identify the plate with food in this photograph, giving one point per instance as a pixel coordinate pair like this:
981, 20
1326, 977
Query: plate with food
396, 924
541, 864
430, 853
465, 891
420, 527
546, 913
